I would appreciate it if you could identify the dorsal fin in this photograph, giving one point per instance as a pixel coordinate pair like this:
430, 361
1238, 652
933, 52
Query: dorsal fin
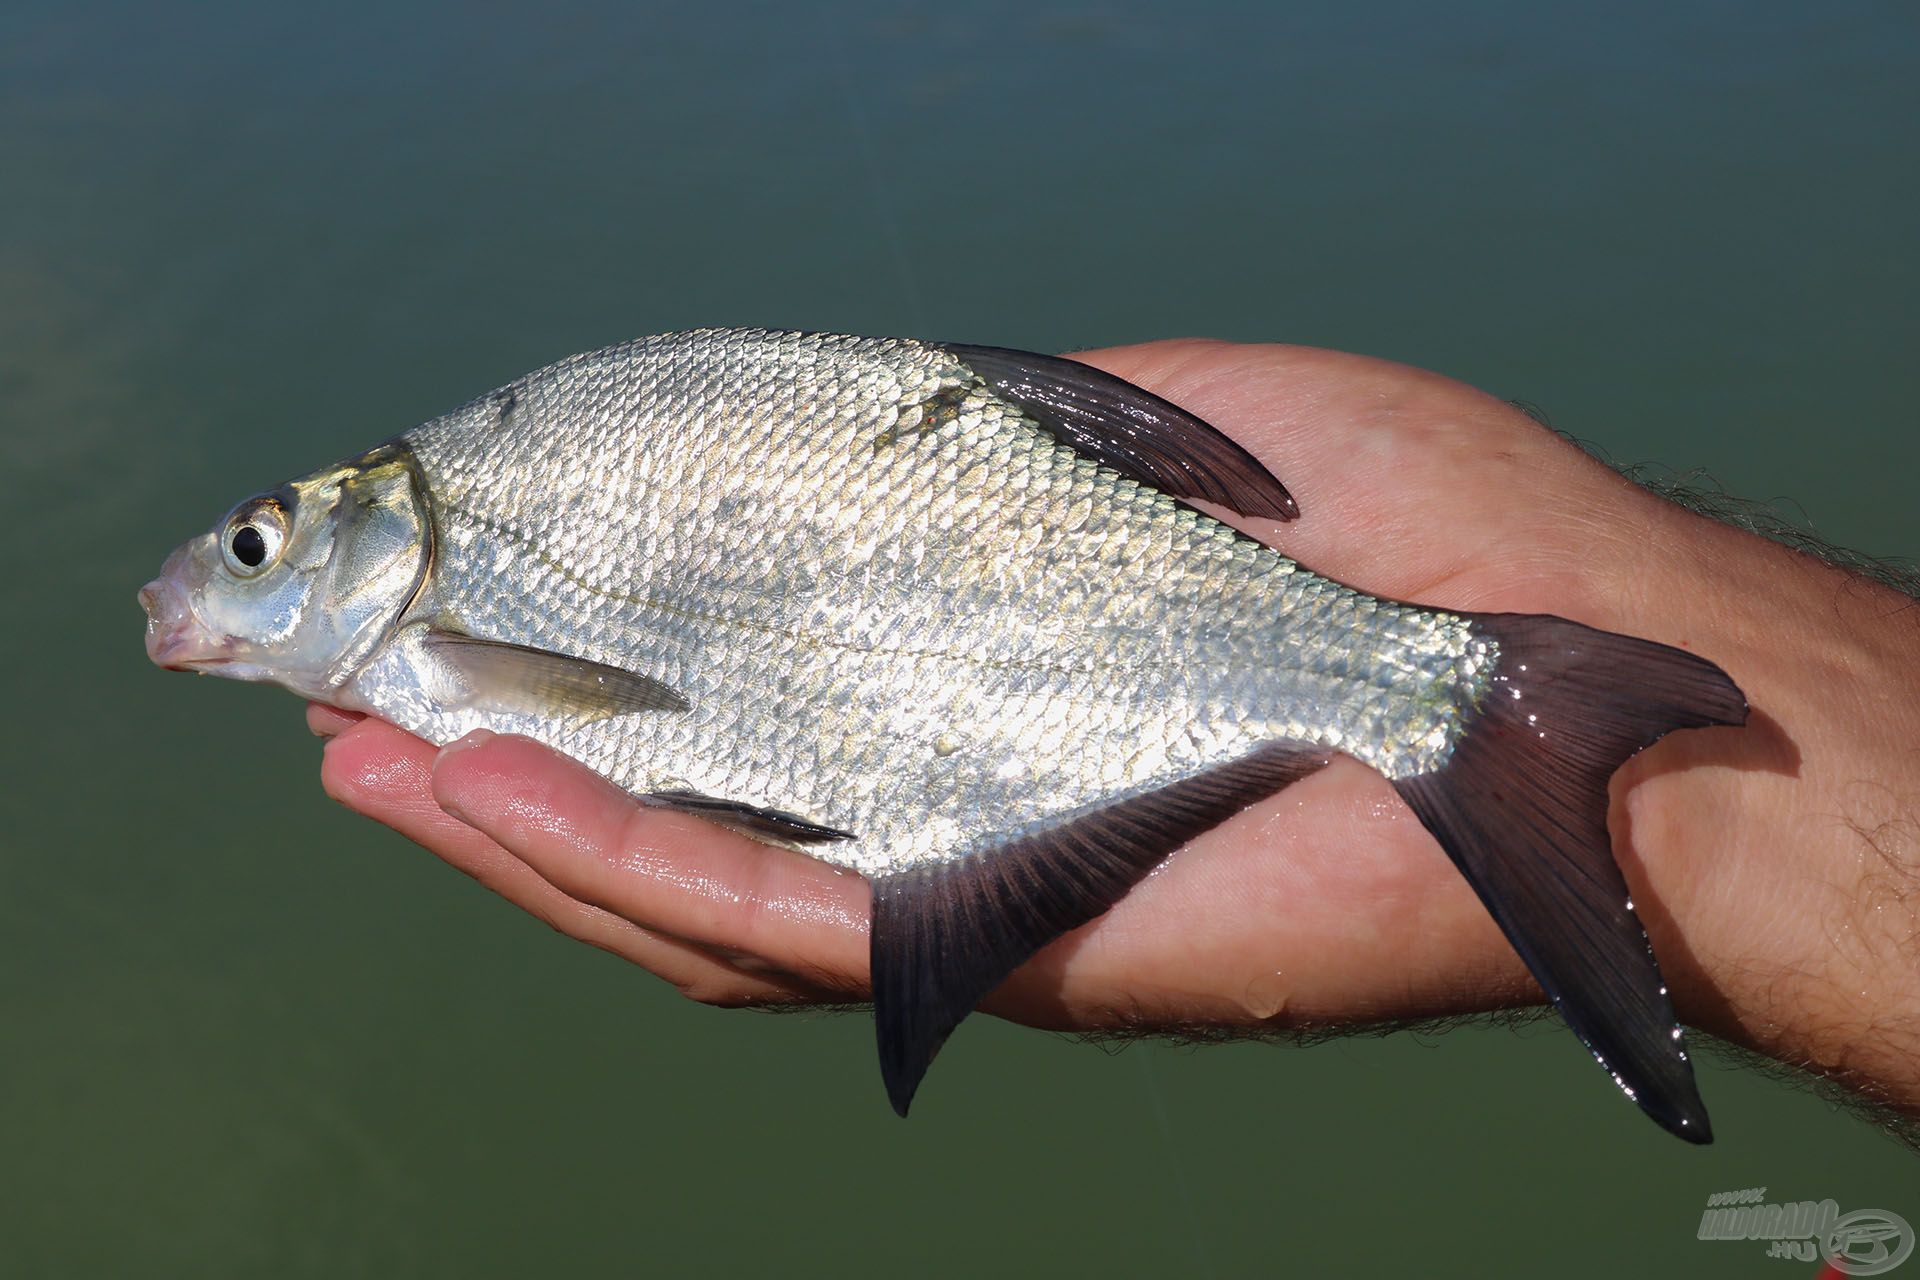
945, 935
1135, 432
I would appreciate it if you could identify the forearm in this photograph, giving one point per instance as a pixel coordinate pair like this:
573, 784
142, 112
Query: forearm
1784, 858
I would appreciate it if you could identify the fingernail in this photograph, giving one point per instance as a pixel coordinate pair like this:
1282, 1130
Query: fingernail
326, 722
451, 804
478, 737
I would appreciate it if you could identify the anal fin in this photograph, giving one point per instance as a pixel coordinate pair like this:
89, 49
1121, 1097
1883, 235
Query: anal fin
946, 934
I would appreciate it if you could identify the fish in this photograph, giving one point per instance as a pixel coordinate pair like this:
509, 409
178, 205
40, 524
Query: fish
946, 616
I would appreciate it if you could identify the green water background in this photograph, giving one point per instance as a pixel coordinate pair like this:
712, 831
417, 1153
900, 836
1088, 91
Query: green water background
248, 1034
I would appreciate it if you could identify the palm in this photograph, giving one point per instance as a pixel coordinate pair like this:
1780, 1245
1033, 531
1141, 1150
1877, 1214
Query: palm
1326, 903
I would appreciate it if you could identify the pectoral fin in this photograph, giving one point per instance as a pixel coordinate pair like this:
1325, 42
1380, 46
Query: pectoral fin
947, 934
518, 678
1130, 430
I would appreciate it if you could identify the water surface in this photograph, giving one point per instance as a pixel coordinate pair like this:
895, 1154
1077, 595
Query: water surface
249, 1034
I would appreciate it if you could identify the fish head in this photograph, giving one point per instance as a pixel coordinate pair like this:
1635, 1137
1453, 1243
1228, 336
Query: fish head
300, 585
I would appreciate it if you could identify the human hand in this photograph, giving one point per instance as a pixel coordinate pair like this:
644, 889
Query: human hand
1773, 866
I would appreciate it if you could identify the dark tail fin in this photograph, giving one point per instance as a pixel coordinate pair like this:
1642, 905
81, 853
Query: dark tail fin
1521, 808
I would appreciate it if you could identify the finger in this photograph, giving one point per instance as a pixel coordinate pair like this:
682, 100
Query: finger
665, 871
1289, 914
385, 774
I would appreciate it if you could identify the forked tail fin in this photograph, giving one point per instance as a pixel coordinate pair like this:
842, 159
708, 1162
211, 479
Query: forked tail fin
1521, 808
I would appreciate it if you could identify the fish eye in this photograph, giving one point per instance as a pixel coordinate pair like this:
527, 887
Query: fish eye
254, 536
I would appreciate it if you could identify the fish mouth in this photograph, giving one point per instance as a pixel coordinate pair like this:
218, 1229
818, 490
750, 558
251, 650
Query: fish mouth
175, 638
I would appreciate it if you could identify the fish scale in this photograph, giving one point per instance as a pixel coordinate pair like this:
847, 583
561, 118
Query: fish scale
796, 418
941, 615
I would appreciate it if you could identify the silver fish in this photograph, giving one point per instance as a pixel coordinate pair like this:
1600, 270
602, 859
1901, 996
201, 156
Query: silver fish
939, 614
